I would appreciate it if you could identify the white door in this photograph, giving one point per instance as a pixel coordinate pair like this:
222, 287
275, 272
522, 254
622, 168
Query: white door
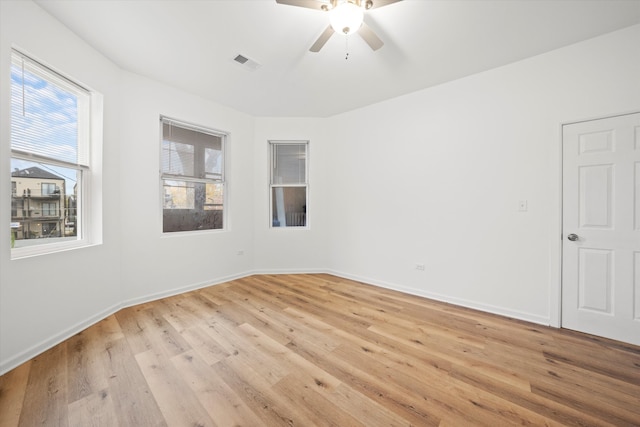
601, 227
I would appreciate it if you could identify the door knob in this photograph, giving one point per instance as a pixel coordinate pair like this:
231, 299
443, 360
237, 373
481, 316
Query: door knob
573, 237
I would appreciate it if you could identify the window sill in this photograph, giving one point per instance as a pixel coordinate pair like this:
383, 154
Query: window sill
48, 248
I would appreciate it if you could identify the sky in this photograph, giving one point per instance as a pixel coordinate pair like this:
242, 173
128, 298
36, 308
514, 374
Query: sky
43, 120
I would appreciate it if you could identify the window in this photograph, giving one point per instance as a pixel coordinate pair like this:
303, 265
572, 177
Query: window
16, 207
49, 189
49, 209
289, 183
192, 177
50, 161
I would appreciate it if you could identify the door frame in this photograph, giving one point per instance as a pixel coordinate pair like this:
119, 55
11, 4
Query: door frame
556, 262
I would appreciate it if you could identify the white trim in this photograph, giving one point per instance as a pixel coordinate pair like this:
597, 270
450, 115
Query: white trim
192, 126
36, 66
555, 246
49, 248
277, 271
593, 118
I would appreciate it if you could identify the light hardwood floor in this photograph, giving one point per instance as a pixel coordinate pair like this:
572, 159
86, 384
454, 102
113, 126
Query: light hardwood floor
317, 350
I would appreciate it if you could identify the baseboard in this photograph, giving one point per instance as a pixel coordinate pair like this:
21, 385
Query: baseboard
501, 311
292, 271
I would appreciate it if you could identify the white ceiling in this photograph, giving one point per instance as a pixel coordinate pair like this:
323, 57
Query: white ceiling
190, 44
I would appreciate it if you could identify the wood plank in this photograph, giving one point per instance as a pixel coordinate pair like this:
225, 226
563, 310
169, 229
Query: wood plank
266, 364
374, 388
311, 406
13, 386
290, 361
86, 373
203, 344
132, 399
452, 352
553, 409
555, 374
94, 410
176, 400
45, 401
256, 393
220, 401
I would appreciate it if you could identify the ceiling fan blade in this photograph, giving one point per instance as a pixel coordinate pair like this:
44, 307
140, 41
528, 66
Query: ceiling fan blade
326, 35
370, 37
309, 4
373, 4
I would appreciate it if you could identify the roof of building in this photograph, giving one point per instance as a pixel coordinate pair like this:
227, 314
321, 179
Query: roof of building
35, 172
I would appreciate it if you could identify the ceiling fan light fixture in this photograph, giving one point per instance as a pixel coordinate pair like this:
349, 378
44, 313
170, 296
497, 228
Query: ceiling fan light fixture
346, 18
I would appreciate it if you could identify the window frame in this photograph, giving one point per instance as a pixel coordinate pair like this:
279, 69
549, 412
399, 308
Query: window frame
89, 122
165, 176
272, 144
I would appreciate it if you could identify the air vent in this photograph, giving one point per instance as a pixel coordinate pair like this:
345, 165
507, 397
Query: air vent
241, 59
247, 63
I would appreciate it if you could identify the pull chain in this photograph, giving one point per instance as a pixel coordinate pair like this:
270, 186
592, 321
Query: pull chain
346, 42
24, 113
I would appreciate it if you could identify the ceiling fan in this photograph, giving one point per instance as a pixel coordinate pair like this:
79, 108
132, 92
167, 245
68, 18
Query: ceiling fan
345, 16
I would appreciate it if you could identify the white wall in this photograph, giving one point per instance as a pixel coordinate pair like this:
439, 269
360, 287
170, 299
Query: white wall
154, 264
292, 250
45, 298
435, 177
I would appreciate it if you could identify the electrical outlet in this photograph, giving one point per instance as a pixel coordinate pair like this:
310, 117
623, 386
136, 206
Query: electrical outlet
241, 252
523, 205
420, 267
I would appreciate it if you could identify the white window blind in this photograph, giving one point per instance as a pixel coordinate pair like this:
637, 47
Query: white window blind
289, 164
191, 152
47, 114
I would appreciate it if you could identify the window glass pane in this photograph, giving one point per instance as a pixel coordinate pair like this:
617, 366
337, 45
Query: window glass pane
192, 206
179, 195
182, 195
178, 158
45, 113
44, 203
213, 163
214, 197
289, 206
289, 164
